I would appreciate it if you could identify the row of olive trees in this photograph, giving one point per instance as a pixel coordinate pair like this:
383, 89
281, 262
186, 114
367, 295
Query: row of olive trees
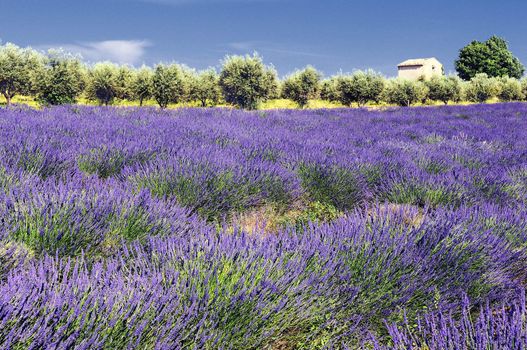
363, 87
60, 78
243, 81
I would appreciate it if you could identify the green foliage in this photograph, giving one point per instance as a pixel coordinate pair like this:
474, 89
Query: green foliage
19, 68
62, 80
214, 196
491, 57
335, 186
481, 88
316, 212
49, 231
103, 83
408, 192
206, 88
329, 90
524, 88
142, 84
124, 83
167, 84
246, 81
302, 86
510, 90
361, 88
405, 92
444, 89
106, 162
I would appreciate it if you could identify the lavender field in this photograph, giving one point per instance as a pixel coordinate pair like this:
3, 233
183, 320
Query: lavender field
138, 228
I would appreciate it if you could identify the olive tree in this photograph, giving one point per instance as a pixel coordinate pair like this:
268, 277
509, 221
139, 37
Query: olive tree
360, 87
524, 88
404, 92
19, 68
142, 84
510, 89
245, 81
301, 86
206, 88
444, 89
62, 80
481, 88
102, 83
124, 82
329, 89
168, 84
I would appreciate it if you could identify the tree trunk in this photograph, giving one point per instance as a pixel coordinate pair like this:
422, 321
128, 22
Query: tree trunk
141, 102
7, 98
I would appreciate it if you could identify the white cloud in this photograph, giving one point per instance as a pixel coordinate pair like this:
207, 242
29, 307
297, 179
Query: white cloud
118, 51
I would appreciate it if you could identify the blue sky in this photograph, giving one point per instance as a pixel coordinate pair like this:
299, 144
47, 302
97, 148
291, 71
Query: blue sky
332, 35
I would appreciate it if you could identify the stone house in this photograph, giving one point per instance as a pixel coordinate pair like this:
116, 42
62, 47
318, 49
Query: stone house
420, 67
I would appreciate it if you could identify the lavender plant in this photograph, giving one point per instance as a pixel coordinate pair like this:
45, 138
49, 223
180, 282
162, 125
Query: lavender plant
403, 228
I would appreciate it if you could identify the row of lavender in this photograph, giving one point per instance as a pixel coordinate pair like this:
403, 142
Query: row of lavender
116, 228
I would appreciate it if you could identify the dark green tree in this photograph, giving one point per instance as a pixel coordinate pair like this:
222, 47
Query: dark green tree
245, 81
491, 57
302, 86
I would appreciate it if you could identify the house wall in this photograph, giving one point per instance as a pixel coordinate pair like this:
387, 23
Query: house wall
411, 72
427, 70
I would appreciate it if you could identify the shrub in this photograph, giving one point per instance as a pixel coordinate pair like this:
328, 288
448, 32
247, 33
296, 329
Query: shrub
167, 84
142, 84
510, 90
124, 82
329, 89
106, 162
103, 83
422, 195
481, 88
302, 86
335, 186
62, 80
404, 92
213, 194
444, 89
361, 88
246, 81
18, 70
205, 88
